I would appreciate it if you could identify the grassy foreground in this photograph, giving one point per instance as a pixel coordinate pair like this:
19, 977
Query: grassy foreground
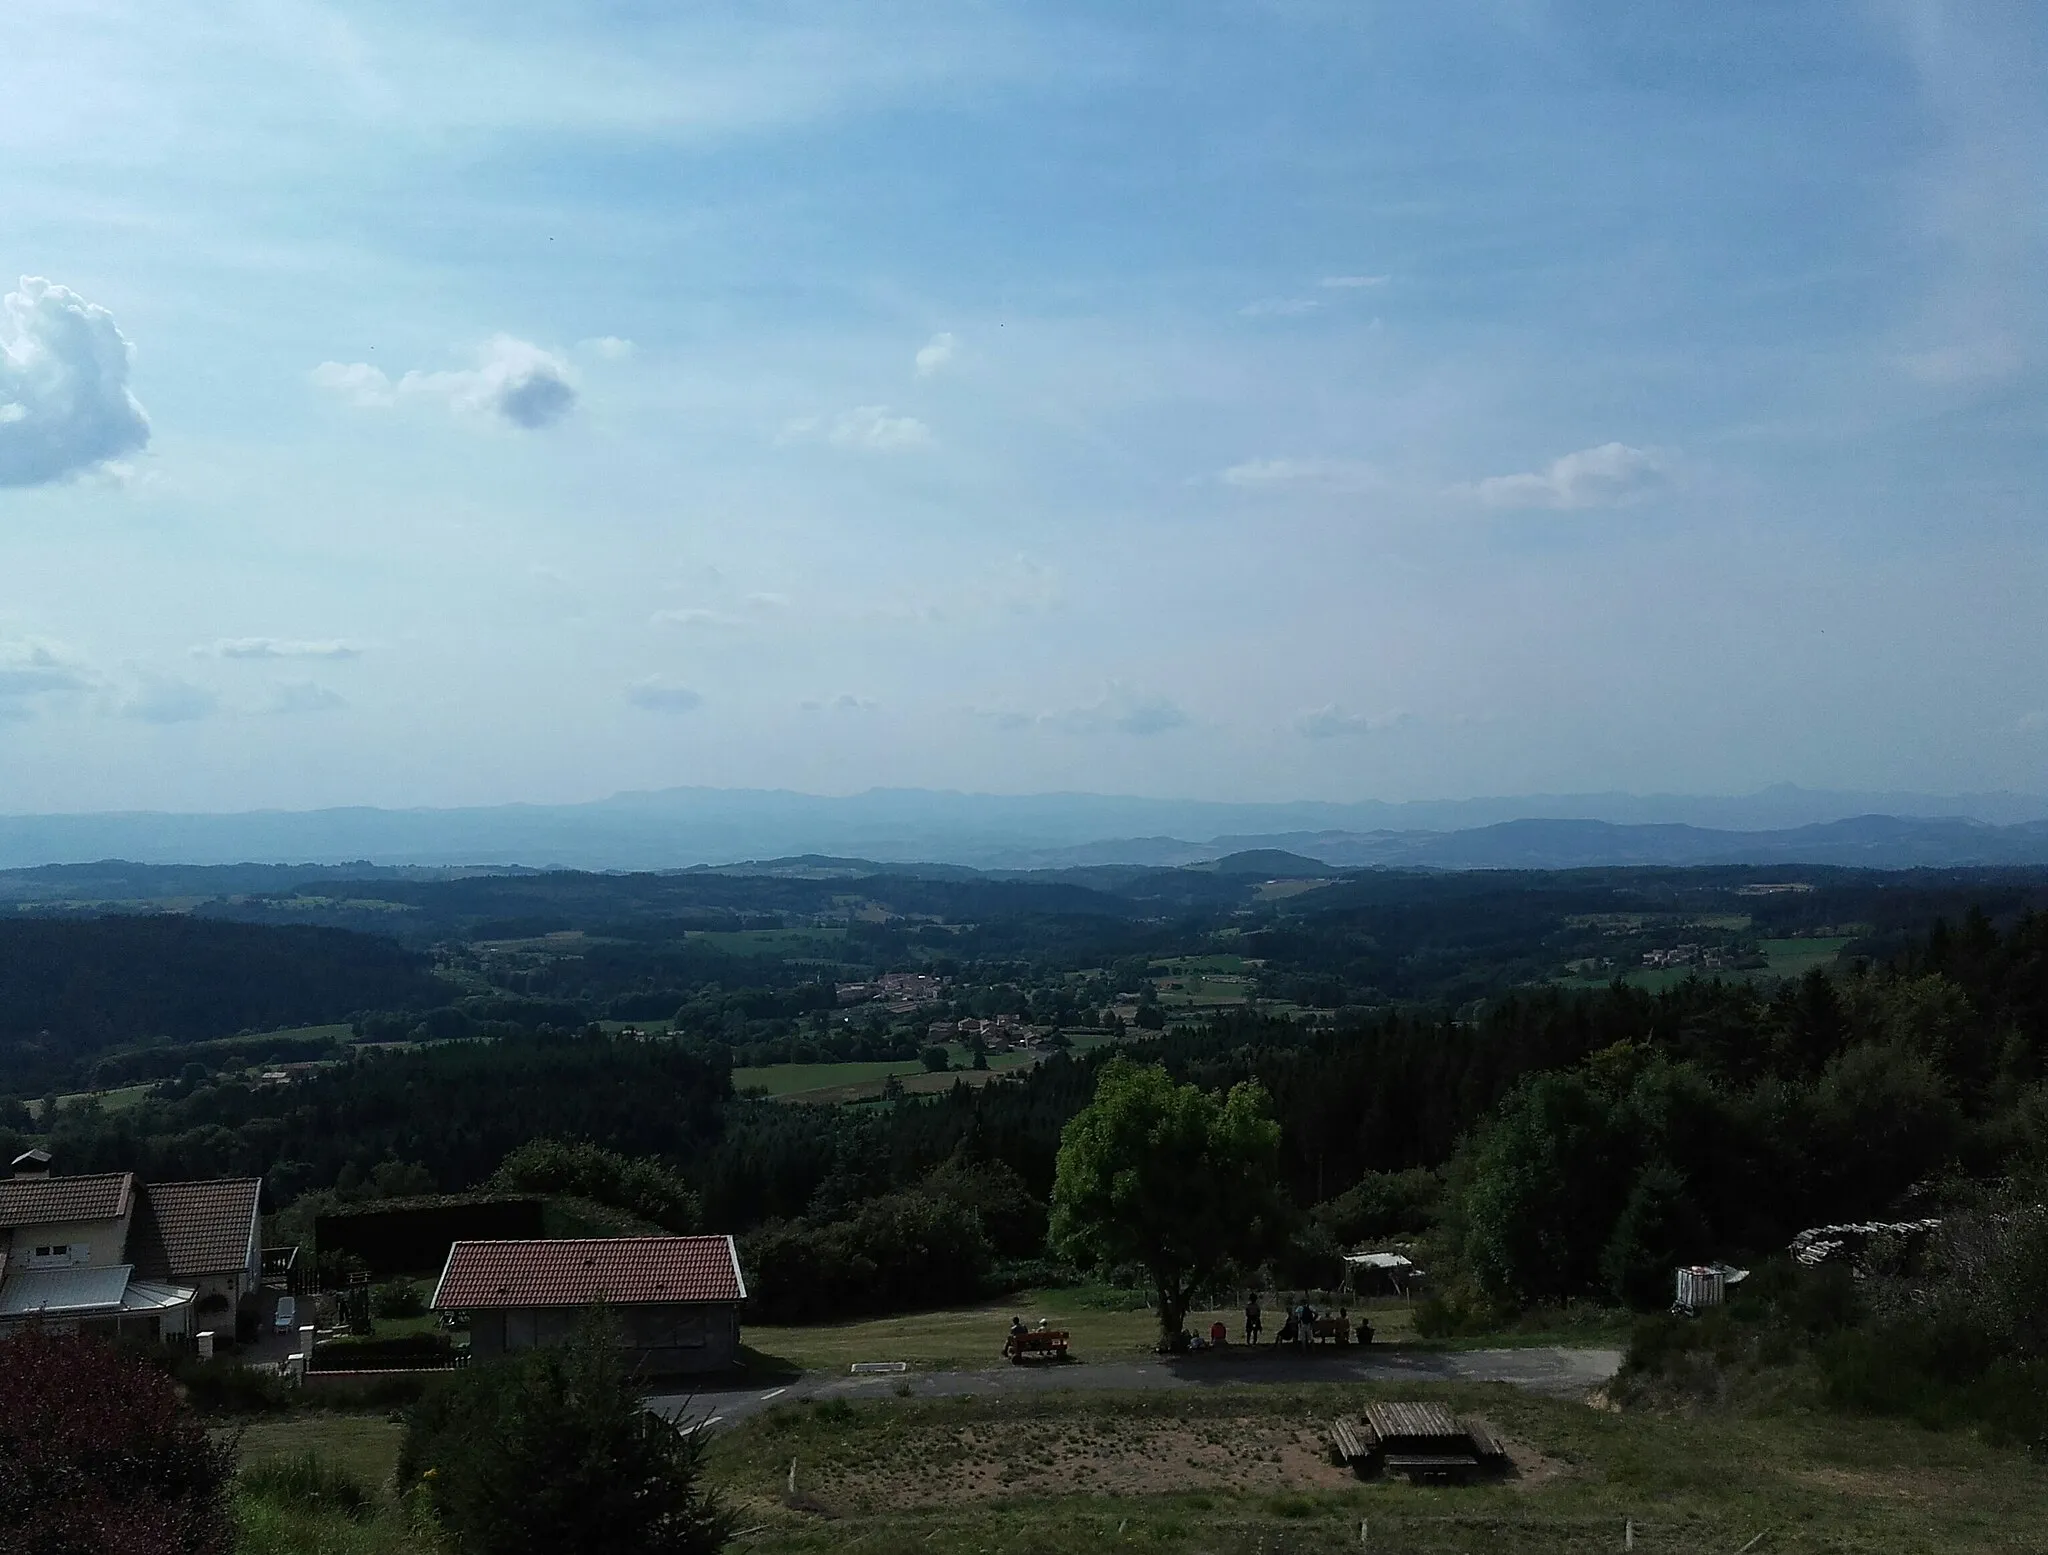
1242, 1470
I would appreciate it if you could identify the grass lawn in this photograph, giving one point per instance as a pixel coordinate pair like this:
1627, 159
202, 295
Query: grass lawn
1237, 1469
110, 1101
863, 1081
365, 1445
1105, 1325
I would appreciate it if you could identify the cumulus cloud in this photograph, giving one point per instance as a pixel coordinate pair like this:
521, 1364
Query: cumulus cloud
164, 699
936, 354
1279, 307
65, 404
277, 648
658, 695
304, 696
1310, 474
1121, 709
1352, 282
868, 428
1611, 475
357, 382
513, 379
693, 615
31, 669
1332, 722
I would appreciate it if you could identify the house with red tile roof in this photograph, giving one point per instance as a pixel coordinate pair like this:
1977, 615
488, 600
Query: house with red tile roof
105, 1254
675, 1300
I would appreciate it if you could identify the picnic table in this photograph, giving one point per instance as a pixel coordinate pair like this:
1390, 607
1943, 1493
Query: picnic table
1424, 1442
1044, 1344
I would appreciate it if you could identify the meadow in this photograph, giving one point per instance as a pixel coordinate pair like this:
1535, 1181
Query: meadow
1237, 1470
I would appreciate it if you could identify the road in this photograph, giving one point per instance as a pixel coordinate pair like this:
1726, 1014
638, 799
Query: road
1553, 1370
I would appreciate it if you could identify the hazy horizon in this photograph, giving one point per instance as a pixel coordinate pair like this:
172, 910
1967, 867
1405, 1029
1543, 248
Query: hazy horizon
530, 403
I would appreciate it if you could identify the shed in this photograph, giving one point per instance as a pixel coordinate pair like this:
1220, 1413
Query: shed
676, 1299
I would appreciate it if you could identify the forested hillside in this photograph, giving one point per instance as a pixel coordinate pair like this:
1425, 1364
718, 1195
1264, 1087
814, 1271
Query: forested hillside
74, 987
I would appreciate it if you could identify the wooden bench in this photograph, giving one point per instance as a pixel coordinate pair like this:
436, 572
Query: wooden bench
1335, 1329
1041, 1344
1430, 1468
1484, 1442
1350, 1446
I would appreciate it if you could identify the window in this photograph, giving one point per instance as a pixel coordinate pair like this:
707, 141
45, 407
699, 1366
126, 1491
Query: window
57, 1254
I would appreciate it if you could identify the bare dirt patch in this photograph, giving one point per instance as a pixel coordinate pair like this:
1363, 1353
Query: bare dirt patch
1100, 1455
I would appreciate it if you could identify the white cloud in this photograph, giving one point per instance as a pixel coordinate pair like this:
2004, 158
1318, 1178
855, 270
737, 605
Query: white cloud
693, 615
358, 382
164, 699
513, 379
1318, 474
277, 648
1989, 358
304, 696
1279, 307
1121, 709
1352, 282
2035, 722
1611, 475
658, 695
65, 404
870, 428
610, 347
31, 668
1331, 722
936, 354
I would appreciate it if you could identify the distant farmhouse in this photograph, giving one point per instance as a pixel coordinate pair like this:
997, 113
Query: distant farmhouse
103, 1254
675, 1299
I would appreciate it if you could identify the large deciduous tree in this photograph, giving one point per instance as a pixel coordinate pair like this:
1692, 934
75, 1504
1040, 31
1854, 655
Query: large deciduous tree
1170, 1177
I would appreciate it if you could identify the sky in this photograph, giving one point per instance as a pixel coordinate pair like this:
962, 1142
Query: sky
477, 403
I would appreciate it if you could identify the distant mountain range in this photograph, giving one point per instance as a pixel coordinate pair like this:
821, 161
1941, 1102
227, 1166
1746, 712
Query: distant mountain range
679, 828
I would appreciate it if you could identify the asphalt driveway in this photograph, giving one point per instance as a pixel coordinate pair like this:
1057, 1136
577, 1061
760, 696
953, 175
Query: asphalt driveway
1554, 1370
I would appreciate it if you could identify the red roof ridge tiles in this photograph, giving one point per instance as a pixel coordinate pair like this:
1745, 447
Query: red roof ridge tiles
580, 1271
38, 1200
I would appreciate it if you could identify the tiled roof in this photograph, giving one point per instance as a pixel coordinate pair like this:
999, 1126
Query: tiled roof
187, 1229
620, 1270
35, 1201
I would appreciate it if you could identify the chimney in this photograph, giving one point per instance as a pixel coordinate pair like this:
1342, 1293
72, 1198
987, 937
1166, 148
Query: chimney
32, 1163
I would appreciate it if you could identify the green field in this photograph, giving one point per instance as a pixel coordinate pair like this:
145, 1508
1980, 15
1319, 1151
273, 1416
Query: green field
791, 944
110, 1101
1787, 958
862, 1080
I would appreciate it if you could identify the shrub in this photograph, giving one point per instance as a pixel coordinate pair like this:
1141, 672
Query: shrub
642, 1186
398, 1298
552, 1452
893, 1253
97, 1454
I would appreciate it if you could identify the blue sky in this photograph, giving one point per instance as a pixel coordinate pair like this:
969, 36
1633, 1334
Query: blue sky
460, 404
